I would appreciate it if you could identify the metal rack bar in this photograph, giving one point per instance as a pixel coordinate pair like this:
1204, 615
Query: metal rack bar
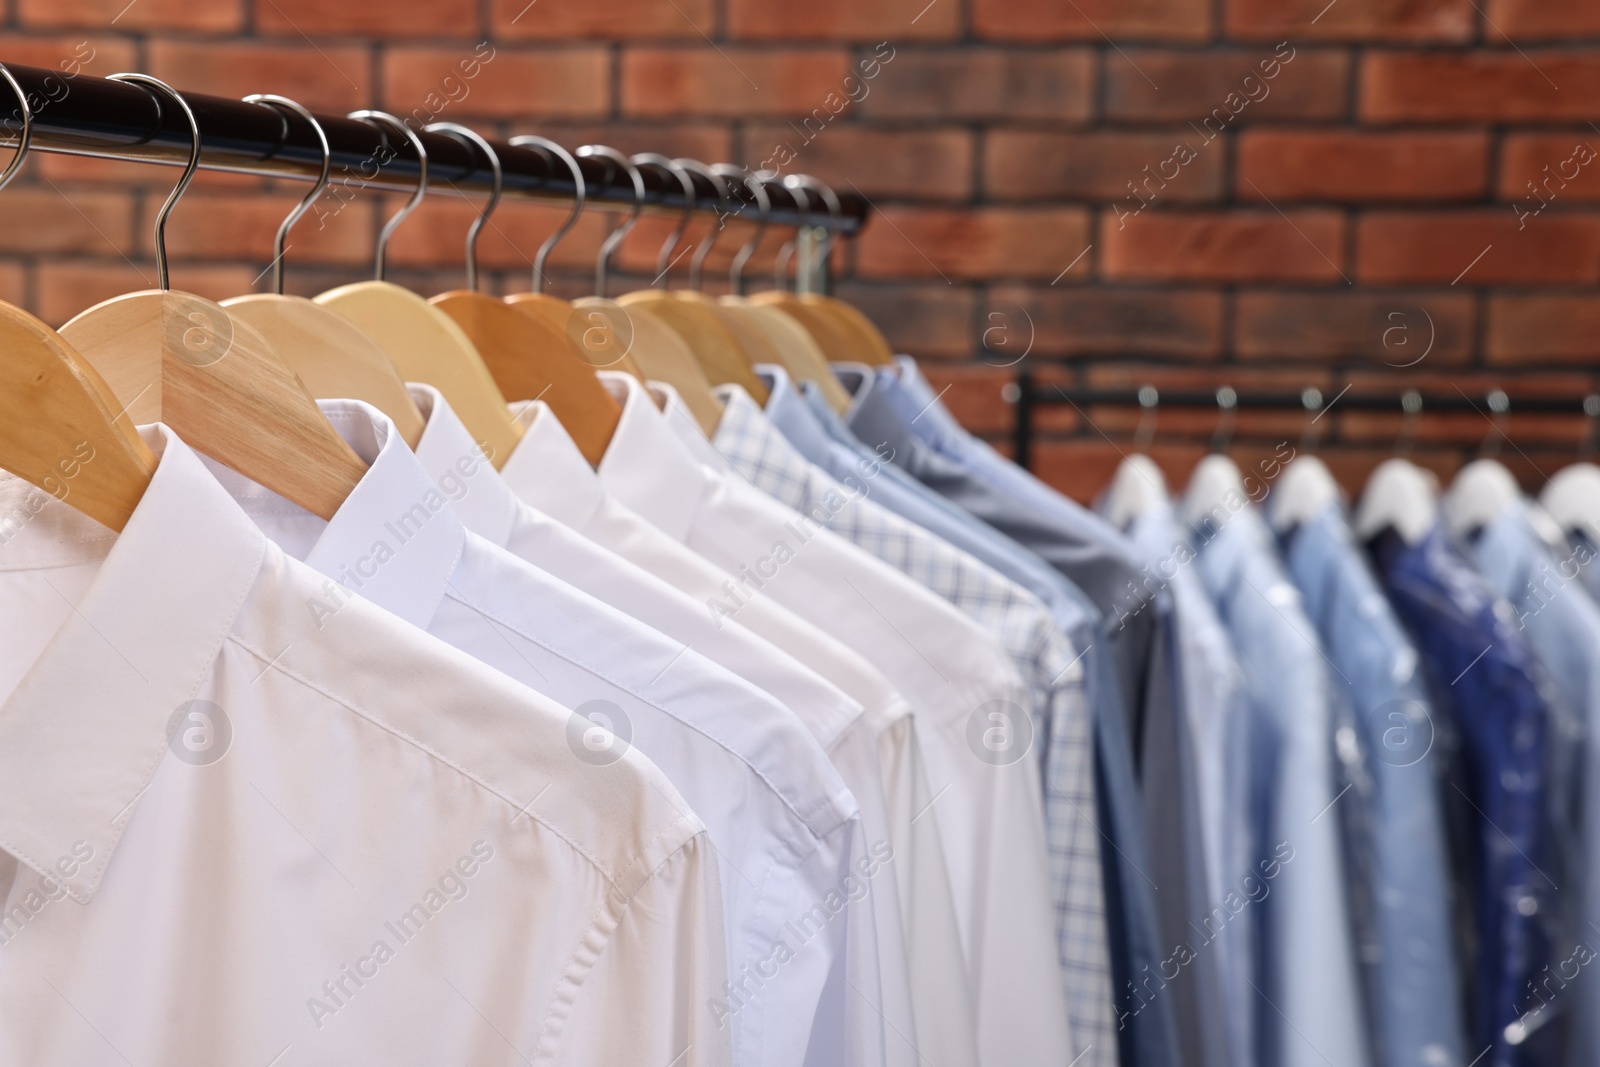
86, 116
1030, 396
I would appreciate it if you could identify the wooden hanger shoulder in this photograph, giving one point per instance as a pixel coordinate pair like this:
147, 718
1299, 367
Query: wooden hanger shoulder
184, 360
710, 343
332, 355
661, 354
428, 346
796, 349
62, 428
869, 341
530, 360
824, 330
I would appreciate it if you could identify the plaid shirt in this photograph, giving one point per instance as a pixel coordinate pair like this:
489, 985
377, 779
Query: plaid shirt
1047, 660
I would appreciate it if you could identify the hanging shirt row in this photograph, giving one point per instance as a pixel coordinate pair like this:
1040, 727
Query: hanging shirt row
734, 706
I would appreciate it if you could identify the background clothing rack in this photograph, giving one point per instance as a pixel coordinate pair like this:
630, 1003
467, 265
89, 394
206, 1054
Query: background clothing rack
1031, 395
87, 116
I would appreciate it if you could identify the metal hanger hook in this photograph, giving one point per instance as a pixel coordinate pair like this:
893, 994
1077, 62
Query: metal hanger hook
281, 243
1411, 404
602, 262
464, 133
373, 118
145, 81
1149, 412
664, 260
694, 166
1227, 417
764, 210
581, 193
25, 138
780, 262
796, 182
1311, 400
1500, 405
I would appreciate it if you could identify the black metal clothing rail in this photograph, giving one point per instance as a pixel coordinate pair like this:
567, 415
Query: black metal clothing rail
86, 116
1030, 395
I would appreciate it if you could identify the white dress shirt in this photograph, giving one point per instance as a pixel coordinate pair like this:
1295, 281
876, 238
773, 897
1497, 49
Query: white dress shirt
794, 865
953, 672
486, 505
929, 1018
229, 836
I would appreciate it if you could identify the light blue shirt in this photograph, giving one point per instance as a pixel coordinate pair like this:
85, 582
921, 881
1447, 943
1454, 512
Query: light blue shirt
1310, 1010
1416, 992
1216, 747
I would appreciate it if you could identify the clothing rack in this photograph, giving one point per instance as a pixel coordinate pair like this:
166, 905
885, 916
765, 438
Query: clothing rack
1029, 395
86, 116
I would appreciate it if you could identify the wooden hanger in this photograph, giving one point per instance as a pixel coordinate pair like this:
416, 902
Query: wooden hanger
182, 359
527, 356
61, 428
332, 356
426, 344
794, 346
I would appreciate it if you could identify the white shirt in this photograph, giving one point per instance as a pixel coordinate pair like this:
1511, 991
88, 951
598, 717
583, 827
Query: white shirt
794, 867
485, 504
951, 670
927, 1005
230, 837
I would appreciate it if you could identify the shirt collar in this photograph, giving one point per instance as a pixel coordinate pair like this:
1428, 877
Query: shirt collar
84, 730
480, 497
875, 421
683, 423
547, 471
394, 540
788, 411
646, 465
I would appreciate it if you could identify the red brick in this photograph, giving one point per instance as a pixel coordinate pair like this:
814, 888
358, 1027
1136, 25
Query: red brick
1553, 164
1543, 20
1176, 323
1145, 85
735, 82
326, 77
906, 164
1441, 246
1245, 246
1370, 20
1395, 328
65, 221
71, 287
390, 20
1362, 167
985, 83
1035, 165
223, 16
1480, 87
14, 284
845, 20
1092, 20
1543, 328
243, 227
559, 20
928, 320
446, 84
92, 54
980, 245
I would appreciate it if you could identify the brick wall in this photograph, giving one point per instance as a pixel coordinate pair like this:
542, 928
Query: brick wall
1188, 192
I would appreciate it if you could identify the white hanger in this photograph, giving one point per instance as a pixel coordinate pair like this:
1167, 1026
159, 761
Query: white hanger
1399, 495
1572, 498
1137, 487
1213, 480
1482, 491
1304, 490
